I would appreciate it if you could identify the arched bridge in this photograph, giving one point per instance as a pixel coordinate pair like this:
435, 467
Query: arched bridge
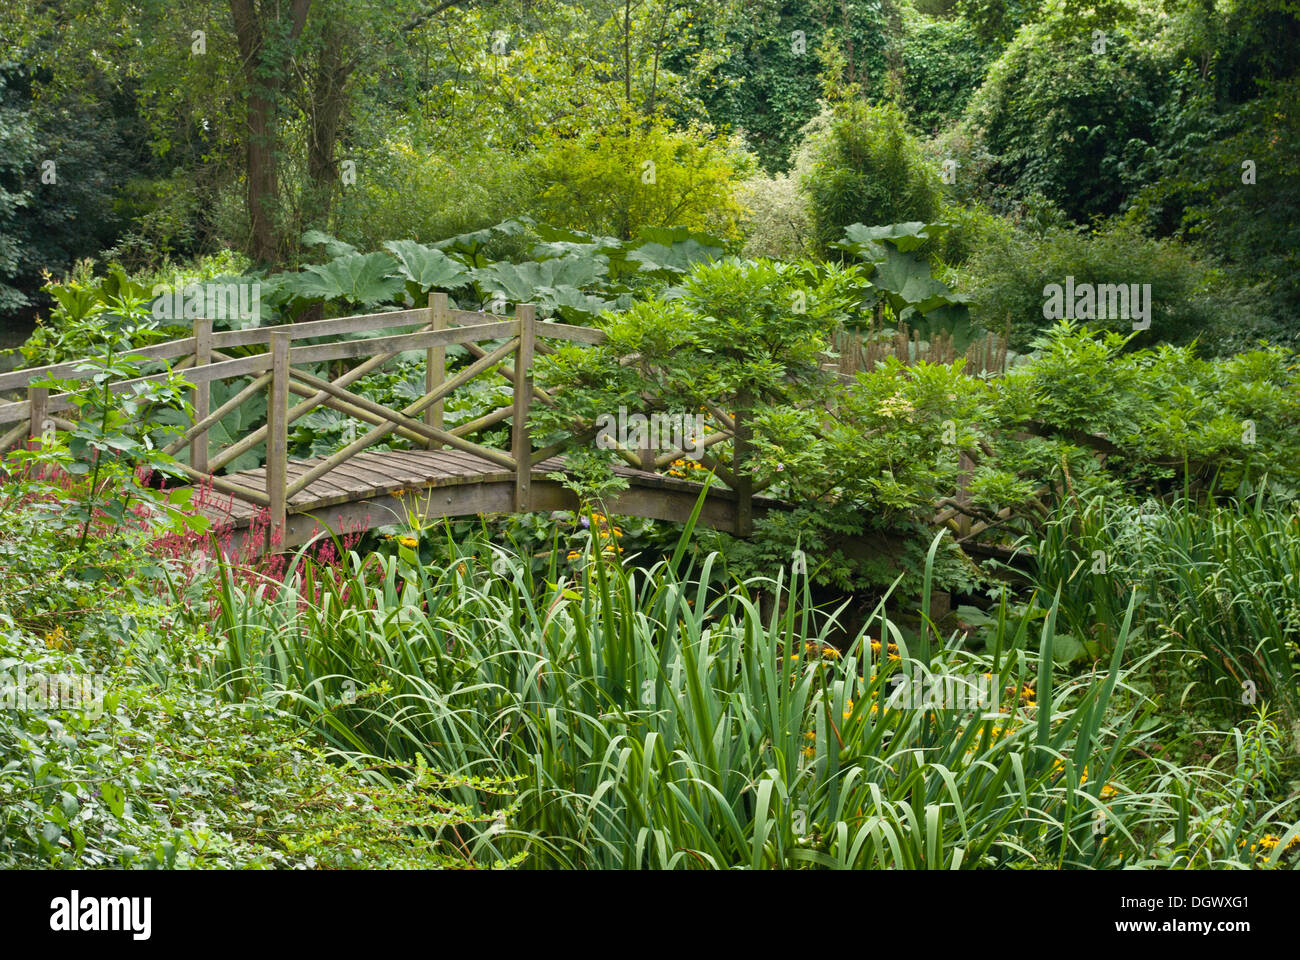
441, 473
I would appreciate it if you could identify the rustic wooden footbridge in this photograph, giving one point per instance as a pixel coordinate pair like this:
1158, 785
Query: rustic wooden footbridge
443, 473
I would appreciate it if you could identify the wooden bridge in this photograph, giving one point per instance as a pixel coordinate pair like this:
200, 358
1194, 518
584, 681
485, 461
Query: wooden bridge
443, 473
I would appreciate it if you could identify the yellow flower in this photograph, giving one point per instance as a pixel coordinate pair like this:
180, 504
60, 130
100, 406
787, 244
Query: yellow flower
55, 638
408, 542
810, 751
1108, 791
574, 555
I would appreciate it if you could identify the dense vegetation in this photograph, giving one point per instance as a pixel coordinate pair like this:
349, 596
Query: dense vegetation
843, 217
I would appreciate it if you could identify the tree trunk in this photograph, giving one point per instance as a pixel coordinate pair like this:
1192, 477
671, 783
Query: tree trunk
326, 90
264, 72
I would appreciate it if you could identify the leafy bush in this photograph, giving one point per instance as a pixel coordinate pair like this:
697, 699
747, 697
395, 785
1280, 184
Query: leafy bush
426, 194
862, 166
1198, 190
1167, 419
1218, 582
117, 749
637, 173
1190, 299
777, 224
90, 312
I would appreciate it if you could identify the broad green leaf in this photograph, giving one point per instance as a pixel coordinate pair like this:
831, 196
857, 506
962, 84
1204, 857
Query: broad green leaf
427, 267
356, 278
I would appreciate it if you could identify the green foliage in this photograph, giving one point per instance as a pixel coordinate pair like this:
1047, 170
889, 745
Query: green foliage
900, 275
657, 720
1190, 299
755, 326
864, 167
363, 279
116, 752
1218, 584
60, 160
91, 312
777, 224
1066, 122
1169, 418
18, 150
636, 173
767, 83
1196, 187
943, 64
426, 193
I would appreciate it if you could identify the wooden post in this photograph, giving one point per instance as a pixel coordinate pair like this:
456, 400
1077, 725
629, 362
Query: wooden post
967, 466
521, 445
277, 436
202, 393
646, 455
39, 399
435, 364
740, 464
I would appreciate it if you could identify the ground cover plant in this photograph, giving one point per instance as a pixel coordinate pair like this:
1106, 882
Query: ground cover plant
991, 305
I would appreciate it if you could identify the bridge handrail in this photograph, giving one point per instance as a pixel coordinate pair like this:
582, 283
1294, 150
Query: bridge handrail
202, 362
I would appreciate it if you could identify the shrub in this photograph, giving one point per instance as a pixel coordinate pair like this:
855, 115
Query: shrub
777, 225
658, 720
118, 751
943, 63
1218, 583
636, 173
412, 192
860, 165
1008, 271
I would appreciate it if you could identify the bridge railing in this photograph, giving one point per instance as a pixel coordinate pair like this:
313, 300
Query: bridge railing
202, 360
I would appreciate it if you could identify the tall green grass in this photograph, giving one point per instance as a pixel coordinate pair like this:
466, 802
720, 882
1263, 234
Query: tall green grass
1221, 582
657, 721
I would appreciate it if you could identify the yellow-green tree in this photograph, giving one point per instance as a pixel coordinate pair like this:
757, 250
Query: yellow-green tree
616, 179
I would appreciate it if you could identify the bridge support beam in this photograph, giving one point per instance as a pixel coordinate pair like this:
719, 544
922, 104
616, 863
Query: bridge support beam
38, 400
435, 364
